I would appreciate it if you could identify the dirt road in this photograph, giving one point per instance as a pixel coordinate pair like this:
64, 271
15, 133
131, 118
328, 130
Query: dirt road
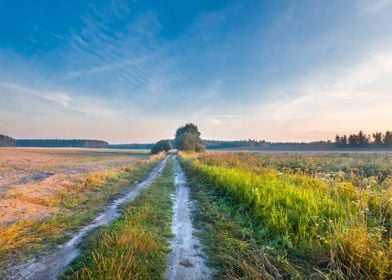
186, 260
52, 266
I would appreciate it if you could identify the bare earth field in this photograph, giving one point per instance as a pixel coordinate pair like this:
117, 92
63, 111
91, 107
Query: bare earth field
30, 178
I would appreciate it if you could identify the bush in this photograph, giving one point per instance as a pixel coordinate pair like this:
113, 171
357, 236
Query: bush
161, 146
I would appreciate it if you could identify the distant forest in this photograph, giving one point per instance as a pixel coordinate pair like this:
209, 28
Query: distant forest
352, 141
377, 139
131, 146
52, 143
80, 143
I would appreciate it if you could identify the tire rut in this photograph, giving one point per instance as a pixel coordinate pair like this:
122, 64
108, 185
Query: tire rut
187, 260
50, 267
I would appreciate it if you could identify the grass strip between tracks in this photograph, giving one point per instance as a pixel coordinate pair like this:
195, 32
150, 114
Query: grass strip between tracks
136, 245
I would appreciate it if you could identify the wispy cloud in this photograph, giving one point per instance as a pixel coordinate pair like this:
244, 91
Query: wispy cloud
87, 106
55, 96
356, 98
261, 69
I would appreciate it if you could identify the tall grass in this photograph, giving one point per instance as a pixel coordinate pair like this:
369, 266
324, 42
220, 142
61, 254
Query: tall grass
344, 231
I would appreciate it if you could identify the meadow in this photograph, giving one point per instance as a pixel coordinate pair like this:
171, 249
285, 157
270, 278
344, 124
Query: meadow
47, 194
287, 215
258, 215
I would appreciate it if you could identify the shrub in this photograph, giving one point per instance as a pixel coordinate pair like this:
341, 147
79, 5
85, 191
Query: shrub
161, 146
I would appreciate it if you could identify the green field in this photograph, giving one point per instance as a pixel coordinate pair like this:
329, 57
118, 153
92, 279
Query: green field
295, 215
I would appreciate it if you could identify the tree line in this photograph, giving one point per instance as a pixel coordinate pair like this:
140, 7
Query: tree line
6, 141
145, 146
56, 143
362, 140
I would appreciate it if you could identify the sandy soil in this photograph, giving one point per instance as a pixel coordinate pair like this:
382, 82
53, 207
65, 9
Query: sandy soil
51, 266
186, 261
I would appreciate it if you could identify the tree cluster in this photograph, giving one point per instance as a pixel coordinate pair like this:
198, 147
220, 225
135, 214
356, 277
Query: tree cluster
361, 139
188, 138
161, 146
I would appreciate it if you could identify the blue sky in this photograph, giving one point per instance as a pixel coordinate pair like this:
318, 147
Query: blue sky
133, 71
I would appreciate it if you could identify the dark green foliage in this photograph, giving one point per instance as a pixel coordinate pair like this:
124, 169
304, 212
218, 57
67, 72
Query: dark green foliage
188, 138
161, 146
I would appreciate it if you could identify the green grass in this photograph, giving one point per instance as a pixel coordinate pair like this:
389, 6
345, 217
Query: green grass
335, 228
134, 246
79, 205
236, 243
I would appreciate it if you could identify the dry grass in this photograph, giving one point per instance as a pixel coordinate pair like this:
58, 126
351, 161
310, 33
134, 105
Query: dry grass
135, 246
37, 215
32, 180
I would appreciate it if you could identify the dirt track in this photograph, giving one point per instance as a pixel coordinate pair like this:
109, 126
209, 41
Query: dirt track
186, 260
51, 266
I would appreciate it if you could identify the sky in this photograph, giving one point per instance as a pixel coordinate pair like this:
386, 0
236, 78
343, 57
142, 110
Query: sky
134, 71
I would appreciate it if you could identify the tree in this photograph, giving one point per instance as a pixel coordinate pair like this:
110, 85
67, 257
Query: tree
388, 138
343, 140
337, 140
161, 146
362, 138
353, 140
377, 138
188, 138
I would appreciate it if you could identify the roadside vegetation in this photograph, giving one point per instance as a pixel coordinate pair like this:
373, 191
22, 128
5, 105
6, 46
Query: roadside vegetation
263, 216
77, 205
135, 246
